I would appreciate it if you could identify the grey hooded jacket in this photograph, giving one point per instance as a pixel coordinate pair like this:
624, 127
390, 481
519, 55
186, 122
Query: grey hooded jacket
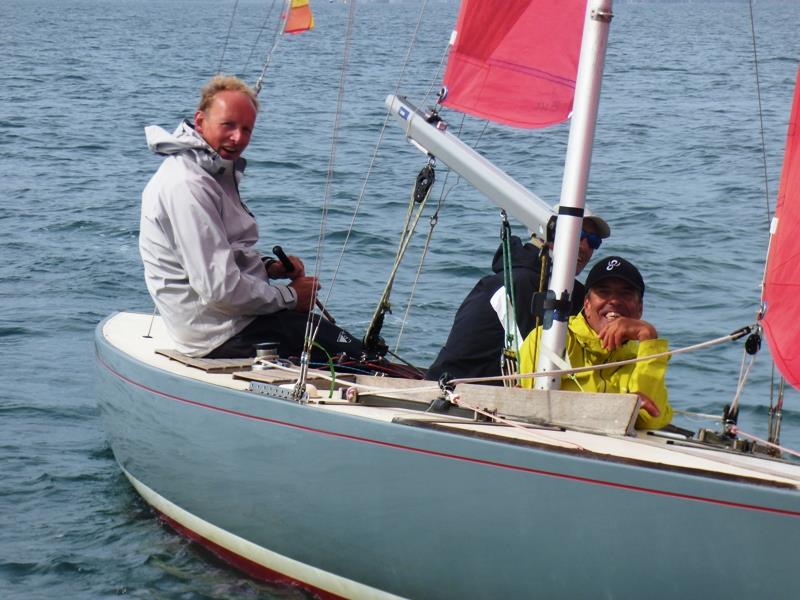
197, 240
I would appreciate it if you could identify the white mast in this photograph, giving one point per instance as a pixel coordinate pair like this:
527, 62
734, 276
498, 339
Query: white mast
576, 176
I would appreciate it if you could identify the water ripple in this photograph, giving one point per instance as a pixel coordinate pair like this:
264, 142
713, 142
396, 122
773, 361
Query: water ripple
677, 171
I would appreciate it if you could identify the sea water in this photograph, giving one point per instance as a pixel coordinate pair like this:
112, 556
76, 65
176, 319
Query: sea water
679, 172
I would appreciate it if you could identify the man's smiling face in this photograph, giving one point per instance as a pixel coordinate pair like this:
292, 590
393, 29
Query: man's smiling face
228, 123
610, 299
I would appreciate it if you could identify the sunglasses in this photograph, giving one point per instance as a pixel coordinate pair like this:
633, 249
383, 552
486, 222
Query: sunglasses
593, 239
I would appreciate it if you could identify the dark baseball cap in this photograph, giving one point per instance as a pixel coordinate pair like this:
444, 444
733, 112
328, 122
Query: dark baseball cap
618, 268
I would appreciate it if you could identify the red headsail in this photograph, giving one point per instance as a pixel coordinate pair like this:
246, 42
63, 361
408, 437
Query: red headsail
298, 17
782, 282
515, 61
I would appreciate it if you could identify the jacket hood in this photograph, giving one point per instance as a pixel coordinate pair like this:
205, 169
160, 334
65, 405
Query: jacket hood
185, 140
522, 256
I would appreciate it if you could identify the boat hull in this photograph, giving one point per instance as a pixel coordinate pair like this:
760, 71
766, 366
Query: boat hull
357, 507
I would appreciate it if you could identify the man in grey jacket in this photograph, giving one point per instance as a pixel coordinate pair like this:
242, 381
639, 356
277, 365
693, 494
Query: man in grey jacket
197, 241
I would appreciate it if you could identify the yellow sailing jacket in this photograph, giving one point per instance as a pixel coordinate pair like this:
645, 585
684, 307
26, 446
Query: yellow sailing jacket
584, 348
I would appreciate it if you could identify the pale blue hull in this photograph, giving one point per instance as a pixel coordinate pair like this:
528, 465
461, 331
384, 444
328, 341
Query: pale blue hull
423, 513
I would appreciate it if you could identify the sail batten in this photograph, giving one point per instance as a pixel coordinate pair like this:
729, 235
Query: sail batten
515, 61
782, 280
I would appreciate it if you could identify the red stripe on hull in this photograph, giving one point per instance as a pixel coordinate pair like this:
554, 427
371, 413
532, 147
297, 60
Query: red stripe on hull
587, 480
245, 565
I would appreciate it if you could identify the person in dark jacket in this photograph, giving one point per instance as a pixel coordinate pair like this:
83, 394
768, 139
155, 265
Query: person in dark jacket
475, 345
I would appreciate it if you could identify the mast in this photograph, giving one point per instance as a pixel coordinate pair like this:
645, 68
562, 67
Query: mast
573, 188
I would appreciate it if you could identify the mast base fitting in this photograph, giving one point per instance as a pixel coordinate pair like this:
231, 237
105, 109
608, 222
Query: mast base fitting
723, 440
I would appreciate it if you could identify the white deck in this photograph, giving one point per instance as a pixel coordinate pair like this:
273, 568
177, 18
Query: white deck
127, 332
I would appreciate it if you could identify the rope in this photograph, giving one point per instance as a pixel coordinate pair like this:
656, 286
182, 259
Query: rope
744, 372
331, 368
544, 270
737, 431
405, 239
434, 220
509, 358
456, 399
453, 398
431, 226
731, 336
512, 343
698, 415
359, 386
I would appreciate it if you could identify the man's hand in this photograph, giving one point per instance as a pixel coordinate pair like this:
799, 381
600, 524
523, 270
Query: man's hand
623, 329
306, 288
278, 271
648, 405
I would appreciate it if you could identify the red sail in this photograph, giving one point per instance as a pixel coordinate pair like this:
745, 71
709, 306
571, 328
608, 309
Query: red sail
515, 61
782, 281
299, 17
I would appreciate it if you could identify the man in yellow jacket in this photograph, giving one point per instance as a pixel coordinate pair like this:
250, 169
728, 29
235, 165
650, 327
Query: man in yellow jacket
609, 329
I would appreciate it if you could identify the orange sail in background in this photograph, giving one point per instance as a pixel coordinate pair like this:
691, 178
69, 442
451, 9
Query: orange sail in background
298, 17
782, 281
516, 61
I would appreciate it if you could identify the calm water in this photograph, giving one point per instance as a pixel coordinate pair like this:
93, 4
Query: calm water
678, 174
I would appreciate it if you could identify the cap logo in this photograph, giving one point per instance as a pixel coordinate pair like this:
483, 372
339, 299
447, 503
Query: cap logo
612, 264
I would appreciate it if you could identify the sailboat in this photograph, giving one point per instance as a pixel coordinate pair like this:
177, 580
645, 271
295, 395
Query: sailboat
360, 486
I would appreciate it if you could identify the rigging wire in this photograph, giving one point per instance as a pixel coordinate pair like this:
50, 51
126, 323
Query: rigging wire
436, 78
276, 37
373, 159
434, 220
775, 410
760, 111
763, 152
258, 37
694, 347
412, 218
312, 327
227, 36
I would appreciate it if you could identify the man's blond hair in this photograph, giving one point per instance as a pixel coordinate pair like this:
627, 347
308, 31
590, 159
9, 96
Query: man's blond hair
224, 83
